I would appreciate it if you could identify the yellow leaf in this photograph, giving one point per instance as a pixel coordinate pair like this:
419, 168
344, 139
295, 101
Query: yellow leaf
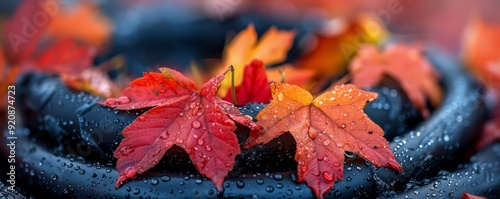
271, 49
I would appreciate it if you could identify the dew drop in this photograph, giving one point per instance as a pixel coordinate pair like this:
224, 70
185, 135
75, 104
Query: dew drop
141, 118
126, 150
208, 147
129, 173
196, 110
337, 193
240, 184
200, 142
327, 175
343, 125
110, 101
312, 133
196, 124
446, 138
165, 178
164, 136
293, 177
178, 140
303, 169
339, 144
278, 177
123, 100
269, 189
280, 97
326, 142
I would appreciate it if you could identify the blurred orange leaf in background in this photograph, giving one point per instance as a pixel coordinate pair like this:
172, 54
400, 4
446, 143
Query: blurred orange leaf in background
481, 52
481, 48
83, 22
92, 80
407, 65
289, 74
339, 41
272, 48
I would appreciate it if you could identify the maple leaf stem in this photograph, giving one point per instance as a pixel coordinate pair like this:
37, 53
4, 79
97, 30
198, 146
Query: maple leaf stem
233, 91
282, 72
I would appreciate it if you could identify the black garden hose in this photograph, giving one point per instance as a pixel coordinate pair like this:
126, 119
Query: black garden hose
479, 176
62, 122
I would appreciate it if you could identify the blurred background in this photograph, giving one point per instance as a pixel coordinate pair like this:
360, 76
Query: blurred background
132, 36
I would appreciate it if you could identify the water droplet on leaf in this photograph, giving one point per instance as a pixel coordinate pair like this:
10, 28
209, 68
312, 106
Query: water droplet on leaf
312, 133
327, 175
123, 100
280, 97
196, 124
339, 144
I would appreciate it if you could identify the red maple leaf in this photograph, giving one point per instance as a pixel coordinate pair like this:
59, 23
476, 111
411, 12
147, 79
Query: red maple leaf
65, 56
489, 134
152, 90
196, 120
324, 128
470, 196
406, 65
254, 87
22, 32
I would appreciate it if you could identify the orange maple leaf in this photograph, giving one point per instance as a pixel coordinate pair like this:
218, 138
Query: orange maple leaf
406, 65
324, 128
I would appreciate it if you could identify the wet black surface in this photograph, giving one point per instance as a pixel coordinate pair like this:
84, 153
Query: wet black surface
479, 177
